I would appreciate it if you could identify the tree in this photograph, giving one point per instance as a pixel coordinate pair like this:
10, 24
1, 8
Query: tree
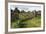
15, 14
39, 12
22, 11
35, 13
11, 10
29, 11
16, 10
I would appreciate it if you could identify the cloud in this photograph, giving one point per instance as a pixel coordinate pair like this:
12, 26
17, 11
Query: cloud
26, 8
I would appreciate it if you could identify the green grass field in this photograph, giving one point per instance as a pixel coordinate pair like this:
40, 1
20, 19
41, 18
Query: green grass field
34, 22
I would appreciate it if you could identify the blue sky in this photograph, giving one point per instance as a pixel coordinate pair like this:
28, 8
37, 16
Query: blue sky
26, 8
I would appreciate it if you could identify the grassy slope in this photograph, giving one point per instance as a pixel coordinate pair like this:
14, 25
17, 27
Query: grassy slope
35, 22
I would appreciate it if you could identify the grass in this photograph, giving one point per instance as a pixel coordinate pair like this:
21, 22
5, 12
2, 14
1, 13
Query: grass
34, 22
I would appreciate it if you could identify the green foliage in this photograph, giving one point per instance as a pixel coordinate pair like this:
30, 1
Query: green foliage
22, 11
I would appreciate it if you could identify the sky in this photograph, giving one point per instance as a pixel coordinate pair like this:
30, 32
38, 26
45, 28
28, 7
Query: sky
26, 8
